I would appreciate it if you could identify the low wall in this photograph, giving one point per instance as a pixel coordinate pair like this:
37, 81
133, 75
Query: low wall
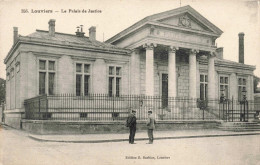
77, 127
12, 118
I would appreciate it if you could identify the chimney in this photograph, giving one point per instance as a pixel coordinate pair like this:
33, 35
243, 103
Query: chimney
92, 33
15, 34
241, 47
219, 52
52, 27
79, 32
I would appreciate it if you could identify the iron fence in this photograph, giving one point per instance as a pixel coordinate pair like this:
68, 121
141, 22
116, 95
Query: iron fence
102, 107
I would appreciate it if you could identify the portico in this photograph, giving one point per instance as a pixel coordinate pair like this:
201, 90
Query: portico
172, 72
169, 47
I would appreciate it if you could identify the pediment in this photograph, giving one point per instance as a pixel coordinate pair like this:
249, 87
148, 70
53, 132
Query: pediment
185, 20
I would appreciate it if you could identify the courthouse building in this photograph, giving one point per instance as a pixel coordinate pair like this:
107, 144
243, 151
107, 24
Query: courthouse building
170, 54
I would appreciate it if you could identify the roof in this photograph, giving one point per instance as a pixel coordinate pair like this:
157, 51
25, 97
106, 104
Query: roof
229, 63
163, 15
224, 61
72, 39
64, 40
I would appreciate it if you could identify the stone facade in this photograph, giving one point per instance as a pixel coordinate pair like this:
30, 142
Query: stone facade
158, 45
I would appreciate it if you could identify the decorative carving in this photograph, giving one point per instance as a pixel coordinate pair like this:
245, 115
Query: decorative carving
194, 51
211, 54
149, 45
184, 21
172, 49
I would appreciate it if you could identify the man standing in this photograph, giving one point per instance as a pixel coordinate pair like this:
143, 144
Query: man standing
150, 126
132, 126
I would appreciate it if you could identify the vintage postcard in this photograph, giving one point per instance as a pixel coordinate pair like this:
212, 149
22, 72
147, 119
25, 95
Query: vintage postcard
129, 82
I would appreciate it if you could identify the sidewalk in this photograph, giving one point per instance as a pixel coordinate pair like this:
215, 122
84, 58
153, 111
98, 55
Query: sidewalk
158, 135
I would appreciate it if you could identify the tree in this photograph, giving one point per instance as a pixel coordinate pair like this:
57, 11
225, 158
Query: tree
256, 81
2, 90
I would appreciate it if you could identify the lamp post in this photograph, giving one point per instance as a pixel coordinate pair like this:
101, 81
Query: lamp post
222, 100
244, 102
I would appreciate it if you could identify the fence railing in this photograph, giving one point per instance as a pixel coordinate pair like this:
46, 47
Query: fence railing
101, 107
235, 110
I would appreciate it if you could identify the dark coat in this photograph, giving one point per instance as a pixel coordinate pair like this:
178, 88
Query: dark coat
150, 122
132, 121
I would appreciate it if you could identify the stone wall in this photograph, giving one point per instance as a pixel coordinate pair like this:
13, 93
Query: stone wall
183, 81
66, 127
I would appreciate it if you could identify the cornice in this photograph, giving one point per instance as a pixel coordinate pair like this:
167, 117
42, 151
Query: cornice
65, 45
193, 31
169, 42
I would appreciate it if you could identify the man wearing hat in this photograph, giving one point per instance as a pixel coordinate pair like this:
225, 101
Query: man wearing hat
150, 126
132, 126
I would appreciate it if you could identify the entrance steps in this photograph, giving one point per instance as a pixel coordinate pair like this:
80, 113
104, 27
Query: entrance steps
240, 126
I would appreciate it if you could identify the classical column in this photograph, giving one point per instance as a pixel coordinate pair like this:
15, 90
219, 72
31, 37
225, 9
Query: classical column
172, 72
149, 69
211, 76
192, 73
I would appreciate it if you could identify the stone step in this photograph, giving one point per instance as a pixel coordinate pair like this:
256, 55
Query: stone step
240, 126
239, 123
240, 130
252, 127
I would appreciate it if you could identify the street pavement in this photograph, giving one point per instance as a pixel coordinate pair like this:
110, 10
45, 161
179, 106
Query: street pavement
140, 136
19, 148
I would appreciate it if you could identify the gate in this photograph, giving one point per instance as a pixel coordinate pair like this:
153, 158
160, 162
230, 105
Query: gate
233, 111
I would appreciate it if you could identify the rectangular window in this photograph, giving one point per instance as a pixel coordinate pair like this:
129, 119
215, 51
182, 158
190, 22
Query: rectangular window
118, 71
82, 79
51, 83
78, 67
224, 86
111, 70
203, 87
114, 80
46, 77
42, 65
241, 87
86, 85
86, 68
117, 86
78, 85
51, 65
110, 86
42, 83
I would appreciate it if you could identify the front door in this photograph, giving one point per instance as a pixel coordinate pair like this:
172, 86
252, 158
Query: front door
164, 90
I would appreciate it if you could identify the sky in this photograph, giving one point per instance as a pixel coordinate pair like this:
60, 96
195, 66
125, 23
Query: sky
231, 16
